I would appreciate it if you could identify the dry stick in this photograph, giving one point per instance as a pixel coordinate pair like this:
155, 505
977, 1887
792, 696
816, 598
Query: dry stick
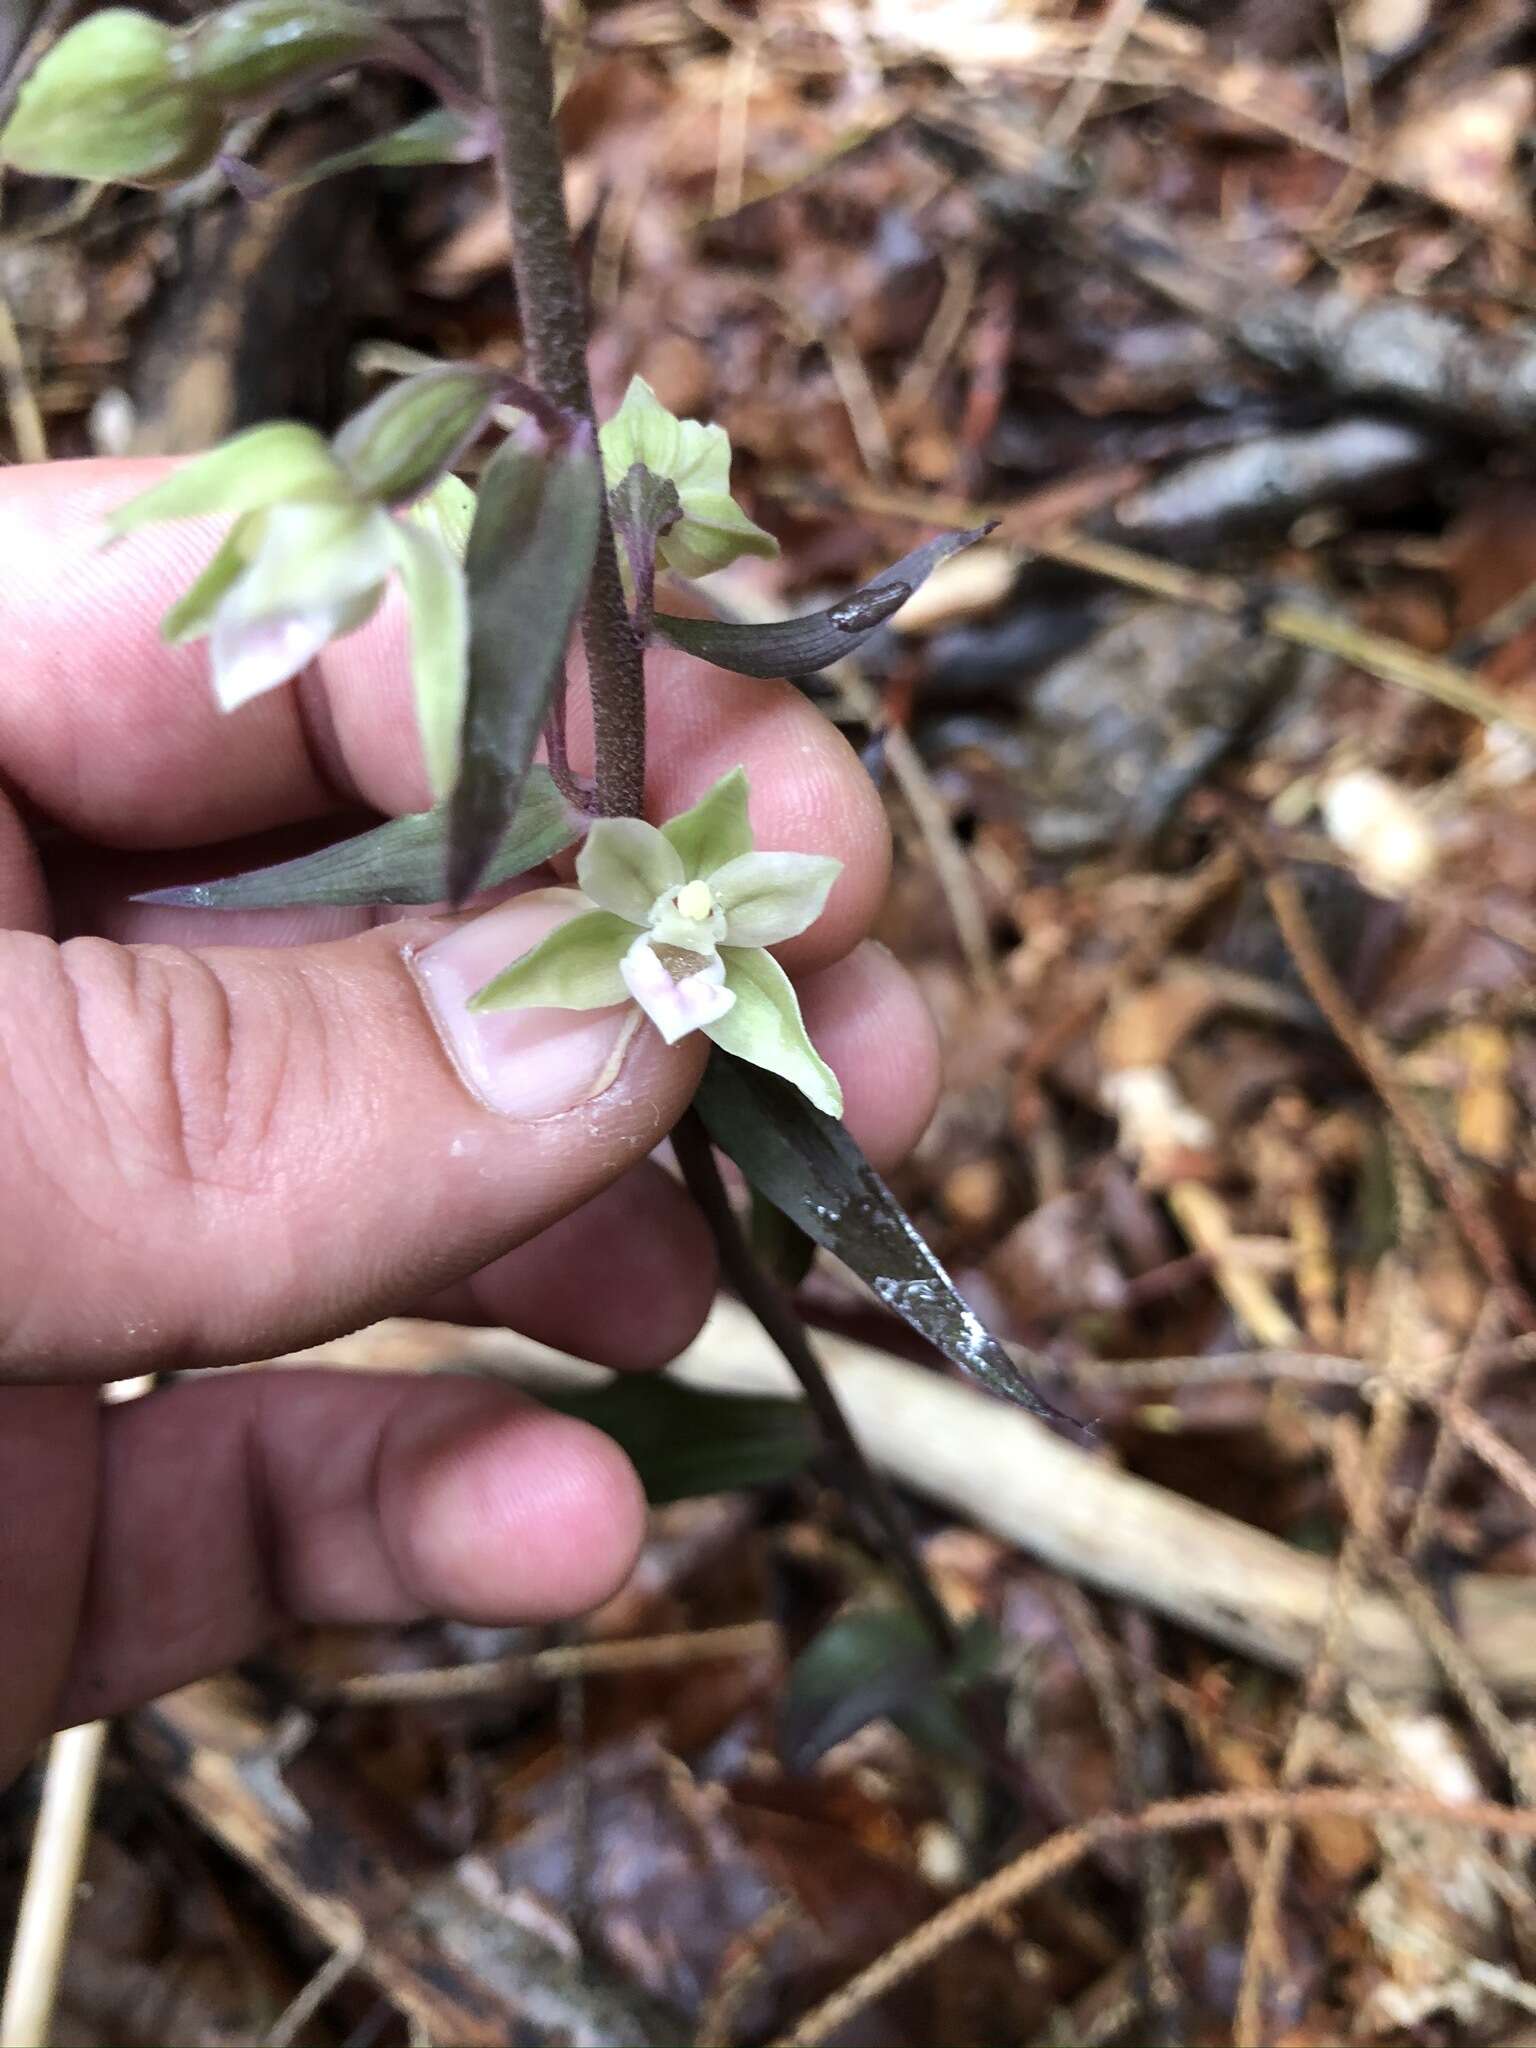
309, 1998
1461, 1670
1372, 1056
1446, 1455
521, 89
951, 865
589, 1660
1082, 96
1152, 1768
1095, 1653
27, 428
1194, 1369
774, 1310
1262, 1948
1064, 1851
48, 1896
1484, 1441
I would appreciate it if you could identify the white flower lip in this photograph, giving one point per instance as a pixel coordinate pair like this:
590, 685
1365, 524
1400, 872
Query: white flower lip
675, 1007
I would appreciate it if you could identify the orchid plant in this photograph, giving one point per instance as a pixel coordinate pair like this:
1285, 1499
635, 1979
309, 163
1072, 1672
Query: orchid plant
566, 525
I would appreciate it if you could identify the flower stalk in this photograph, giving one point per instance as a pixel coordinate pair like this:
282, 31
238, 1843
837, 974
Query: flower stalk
776, 1312
520, 89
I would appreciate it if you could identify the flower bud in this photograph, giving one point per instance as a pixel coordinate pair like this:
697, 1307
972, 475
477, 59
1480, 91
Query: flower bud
110, 101
410, 435
243, 52
713, 531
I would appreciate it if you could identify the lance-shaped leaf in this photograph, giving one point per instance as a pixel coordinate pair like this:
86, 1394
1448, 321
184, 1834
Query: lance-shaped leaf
805, 1163
440, 136
684, 1441
879, 1663
528, 564
403, 861
798, 647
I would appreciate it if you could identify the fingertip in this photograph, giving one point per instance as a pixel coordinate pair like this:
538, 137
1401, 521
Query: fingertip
869, 1021
657, 1260
498, 1511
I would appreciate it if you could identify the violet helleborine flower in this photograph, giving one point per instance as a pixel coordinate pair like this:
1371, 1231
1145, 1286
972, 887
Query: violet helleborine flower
319, 528
678, 919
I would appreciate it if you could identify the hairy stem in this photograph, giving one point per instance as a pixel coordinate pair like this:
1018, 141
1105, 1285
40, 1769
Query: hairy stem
774, 1310
520, 87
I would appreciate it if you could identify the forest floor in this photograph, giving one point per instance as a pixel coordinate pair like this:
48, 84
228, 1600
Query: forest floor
1212, 773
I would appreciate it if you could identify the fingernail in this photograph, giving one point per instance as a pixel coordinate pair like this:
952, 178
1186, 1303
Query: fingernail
524, 1063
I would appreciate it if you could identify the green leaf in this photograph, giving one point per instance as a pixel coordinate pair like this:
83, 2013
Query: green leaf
805, 1163
193, 615
108, 102
798, 647
575, 968
405, 439
528, 565
876, 1663
402, 861
440, 136
624, 865
765, 1026
770, 897
717, 828
685, 1442
439, 610
242, 52
257, 469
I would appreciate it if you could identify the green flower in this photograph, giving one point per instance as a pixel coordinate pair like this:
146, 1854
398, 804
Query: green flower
713, 530
121, 96
677, 920
111, 100
316, 539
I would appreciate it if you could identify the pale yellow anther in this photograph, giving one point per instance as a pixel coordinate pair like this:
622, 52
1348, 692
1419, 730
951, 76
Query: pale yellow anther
694, 901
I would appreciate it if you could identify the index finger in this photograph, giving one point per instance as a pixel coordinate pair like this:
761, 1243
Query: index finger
114, 735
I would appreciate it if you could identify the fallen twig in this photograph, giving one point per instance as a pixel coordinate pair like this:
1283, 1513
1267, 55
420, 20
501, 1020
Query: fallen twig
1064, 1851
48, 1895
587, 1660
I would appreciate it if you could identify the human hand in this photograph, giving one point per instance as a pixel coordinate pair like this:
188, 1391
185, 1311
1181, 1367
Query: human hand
224, 1135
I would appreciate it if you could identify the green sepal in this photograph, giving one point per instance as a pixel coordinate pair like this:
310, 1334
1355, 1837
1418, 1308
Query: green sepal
449, 512
769, 897
261, 467
193, 615
764, 1026
435, 597
715, 830
624, 865
575, 968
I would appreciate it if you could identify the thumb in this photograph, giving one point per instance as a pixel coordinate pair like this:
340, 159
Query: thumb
216, 1155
